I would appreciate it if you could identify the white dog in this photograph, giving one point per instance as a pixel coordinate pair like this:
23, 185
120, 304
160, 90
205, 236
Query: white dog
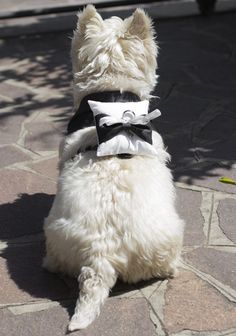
113, 216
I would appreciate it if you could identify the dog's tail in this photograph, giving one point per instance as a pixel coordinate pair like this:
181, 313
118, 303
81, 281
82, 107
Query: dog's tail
94, 289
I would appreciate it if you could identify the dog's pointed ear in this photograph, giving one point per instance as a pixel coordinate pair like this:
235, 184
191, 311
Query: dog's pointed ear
140, 25
89, 18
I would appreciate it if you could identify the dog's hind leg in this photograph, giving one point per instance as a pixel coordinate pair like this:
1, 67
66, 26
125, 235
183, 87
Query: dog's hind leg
94, 285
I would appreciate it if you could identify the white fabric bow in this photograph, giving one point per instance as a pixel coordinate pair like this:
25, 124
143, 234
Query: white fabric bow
130, 118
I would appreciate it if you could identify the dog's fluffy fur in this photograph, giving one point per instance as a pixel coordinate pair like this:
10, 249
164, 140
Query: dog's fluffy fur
111, 217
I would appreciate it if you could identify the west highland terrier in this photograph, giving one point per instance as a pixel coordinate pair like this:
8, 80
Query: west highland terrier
114, 214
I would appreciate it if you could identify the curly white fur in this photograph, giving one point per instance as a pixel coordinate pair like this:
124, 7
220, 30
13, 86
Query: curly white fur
111, 217
113, 54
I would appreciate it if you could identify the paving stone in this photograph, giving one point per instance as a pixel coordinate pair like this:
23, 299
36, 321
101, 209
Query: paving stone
23, 278
118, 317
178, 144
46, 167
191, 304
45, 45
171, 73
204, 91
226, 212
48, 63
181, 149
199, 50
57, 74
14, 91
25, 71
175, 126
230, 105
181, 110
42, 136
219, 264
161, 92
61, 76
25, 202
10, 53
216, 70
222, 28
216, 131
188, 206
218, 28
222, 150
10, 126
7, 61
56, 110
205, 174
10, 154
172, 31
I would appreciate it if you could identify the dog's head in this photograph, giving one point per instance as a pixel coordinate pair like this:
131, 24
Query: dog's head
114, 54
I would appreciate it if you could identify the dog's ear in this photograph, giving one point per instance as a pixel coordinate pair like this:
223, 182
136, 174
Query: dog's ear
89, 19
140, 25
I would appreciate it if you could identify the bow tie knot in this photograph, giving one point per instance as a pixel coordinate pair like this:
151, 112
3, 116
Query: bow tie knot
129, 118
110, 126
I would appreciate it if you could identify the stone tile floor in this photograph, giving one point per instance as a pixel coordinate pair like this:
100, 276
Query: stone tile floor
197, 90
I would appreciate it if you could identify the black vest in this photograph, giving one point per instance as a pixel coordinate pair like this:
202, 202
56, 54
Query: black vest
83, 117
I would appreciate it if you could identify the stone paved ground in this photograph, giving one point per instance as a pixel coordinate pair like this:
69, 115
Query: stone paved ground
197, 92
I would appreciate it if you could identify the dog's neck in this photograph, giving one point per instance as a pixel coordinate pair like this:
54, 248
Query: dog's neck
83, 116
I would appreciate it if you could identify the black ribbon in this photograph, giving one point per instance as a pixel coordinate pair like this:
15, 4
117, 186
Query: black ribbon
107, 132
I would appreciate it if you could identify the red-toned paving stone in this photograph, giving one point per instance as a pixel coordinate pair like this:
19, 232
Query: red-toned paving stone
207, 175
188, 205
227, 218
118, 317
191, 304
46, 167
10, 126
24, 280
14, 92
219, 264
25, 202
10, 154
15, 182
42, 136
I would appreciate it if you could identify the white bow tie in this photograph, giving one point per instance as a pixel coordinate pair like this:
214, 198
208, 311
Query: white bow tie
129, 118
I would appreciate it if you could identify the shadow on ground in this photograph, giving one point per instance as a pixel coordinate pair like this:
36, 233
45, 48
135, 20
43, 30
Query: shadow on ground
37, 77
24, 216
